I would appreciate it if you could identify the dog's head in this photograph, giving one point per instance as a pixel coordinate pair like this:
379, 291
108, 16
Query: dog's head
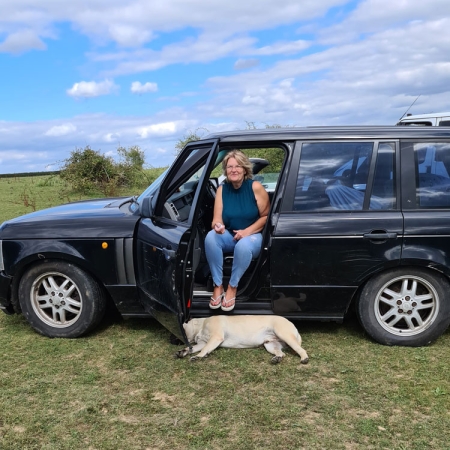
192, 328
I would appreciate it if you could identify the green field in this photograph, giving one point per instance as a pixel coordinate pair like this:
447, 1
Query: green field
120, 387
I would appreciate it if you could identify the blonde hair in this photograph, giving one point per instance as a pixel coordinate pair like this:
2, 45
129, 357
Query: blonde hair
242, 160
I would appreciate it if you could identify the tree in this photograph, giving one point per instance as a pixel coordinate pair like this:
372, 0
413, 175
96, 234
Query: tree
189, 137
275, 156
88, 170
134, 156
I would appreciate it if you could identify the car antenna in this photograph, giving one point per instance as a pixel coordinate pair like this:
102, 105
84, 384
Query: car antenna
404, 114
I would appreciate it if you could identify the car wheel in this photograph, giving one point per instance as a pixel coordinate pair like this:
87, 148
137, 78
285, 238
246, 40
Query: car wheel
405, 307
59, 299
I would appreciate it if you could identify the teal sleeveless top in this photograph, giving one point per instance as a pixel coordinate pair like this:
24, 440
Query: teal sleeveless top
239, 206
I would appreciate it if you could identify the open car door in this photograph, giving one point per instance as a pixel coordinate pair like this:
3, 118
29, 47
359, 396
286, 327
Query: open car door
167, 242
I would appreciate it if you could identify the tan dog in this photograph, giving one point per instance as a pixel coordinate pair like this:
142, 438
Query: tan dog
242, 332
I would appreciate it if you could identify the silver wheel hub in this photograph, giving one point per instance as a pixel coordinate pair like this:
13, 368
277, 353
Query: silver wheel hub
56, 299
406, 305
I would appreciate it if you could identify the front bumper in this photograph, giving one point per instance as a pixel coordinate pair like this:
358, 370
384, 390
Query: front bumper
5, 293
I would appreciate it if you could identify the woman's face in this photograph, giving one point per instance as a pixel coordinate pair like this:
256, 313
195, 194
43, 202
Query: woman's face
235, 172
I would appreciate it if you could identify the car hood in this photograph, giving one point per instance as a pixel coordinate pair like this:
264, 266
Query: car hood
100, 218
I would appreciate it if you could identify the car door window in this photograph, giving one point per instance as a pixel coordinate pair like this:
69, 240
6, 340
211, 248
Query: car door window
432, 165
332, 176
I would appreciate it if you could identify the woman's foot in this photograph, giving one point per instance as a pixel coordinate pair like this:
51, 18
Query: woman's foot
229, 299
216, 299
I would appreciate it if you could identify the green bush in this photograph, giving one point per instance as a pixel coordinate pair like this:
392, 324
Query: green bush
89, 171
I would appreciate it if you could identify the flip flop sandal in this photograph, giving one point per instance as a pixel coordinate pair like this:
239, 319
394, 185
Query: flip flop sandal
215, 303
225, 301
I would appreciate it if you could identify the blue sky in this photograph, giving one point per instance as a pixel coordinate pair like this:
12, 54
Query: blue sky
148, 72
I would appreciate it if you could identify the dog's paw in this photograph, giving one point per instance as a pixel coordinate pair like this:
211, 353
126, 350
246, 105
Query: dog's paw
181, 353
195, 358
276, 359
304, 361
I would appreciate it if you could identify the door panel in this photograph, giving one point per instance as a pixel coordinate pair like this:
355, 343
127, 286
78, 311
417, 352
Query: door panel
318, 261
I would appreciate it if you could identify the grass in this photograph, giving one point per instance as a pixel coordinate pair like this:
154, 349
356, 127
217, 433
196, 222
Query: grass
120, 388
21, 195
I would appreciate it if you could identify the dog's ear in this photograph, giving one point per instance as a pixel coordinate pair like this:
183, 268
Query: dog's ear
197, 325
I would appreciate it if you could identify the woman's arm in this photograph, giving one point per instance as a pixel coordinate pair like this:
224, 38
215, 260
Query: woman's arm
262, 201
217, 223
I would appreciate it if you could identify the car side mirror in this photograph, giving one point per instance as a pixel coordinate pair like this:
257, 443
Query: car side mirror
146, 207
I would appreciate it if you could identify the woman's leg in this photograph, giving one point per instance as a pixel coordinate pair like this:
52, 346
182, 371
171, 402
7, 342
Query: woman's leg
215, 246
245, 250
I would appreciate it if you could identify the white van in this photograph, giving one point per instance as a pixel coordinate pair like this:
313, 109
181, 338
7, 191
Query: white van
426, 120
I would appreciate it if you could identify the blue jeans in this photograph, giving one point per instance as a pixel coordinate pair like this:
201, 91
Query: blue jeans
244, 251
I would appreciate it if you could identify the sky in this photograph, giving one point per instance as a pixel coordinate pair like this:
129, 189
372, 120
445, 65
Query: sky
109, 74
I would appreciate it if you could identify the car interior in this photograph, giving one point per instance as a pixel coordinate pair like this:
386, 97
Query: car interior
179, 203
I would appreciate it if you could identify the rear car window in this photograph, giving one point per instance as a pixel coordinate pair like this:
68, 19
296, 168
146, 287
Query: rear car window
432, 165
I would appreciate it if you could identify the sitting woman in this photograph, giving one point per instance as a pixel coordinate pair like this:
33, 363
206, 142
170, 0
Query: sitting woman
240, 213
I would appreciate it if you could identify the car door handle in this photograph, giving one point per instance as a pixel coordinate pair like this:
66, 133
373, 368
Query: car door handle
169, 254
380, 236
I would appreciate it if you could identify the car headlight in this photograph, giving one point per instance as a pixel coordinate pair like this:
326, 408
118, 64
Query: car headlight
2, 265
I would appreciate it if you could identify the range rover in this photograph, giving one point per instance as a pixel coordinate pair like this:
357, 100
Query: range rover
359, 218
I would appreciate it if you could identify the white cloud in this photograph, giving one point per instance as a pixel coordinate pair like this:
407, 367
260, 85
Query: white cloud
61, 130
138, 88
157, 129
111, 137
285, 48
375, 16
204, 49
128, 35
88, 89
136, 22
242, 64
21, 41
27, 146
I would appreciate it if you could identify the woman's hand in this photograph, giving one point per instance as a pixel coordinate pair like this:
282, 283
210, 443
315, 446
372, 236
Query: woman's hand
219, 228
239, 234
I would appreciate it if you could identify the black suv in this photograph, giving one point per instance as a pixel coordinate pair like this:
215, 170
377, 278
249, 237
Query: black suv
359, 216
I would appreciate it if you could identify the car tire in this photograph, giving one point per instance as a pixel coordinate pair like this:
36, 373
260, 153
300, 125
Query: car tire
405, 307
59, 299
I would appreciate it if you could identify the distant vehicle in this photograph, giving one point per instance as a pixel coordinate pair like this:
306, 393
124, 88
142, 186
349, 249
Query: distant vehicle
426, 120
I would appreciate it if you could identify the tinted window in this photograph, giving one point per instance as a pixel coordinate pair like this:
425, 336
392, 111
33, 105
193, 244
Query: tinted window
432, 164
422, 123
444, 123
332, 176
384, 188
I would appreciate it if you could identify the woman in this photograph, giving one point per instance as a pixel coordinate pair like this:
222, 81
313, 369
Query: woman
240, 213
